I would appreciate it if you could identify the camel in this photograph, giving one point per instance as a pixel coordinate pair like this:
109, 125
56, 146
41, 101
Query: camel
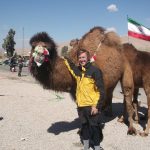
54, 75
113, 63
140, 64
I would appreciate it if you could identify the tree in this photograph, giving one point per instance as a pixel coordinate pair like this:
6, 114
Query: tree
64, 51
9, 43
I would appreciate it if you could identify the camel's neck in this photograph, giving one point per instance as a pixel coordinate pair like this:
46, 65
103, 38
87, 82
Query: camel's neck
61, 79
53, 75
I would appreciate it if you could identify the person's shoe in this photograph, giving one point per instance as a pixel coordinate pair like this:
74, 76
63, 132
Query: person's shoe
19, 75
98, 148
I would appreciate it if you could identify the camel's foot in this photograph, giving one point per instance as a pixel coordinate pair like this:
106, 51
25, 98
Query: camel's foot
121, 119
132, 131
143, 134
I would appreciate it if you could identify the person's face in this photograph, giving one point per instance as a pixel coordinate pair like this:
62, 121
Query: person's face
83, 59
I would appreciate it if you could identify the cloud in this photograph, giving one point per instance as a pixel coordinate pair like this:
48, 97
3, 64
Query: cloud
112, 8
110, 29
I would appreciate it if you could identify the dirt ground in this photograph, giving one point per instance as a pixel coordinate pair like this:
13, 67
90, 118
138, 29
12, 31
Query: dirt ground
38, 119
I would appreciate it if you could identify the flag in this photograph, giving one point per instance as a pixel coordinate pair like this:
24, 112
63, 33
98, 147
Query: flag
137, 30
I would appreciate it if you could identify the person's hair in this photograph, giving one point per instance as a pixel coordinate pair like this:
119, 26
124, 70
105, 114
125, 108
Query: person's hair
79, 52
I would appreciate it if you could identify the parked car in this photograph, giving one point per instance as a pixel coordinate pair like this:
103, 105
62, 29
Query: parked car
6, 62
1, 62
26, 63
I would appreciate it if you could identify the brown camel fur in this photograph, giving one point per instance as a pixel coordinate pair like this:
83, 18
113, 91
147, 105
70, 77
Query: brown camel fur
140, 64
112, 62
53, 74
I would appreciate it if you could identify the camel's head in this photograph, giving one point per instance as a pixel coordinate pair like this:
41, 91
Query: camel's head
89, 41
93, 41
74, 42
42, 58
43, 49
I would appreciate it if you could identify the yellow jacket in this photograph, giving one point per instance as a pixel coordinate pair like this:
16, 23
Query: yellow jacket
90, 88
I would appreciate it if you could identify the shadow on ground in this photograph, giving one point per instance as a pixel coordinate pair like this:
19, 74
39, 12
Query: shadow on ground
64, 126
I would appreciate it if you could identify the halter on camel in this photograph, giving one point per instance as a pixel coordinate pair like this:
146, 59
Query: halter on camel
40, 55
93, 58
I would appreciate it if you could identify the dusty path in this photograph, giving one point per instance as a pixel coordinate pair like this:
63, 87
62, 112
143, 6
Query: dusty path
37, 119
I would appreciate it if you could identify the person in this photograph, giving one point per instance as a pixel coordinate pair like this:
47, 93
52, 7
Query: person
12, 64
20, 65
89, 97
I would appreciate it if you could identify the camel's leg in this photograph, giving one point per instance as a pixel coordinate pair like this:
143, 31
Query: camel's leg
128, 99
147, 91
128, 86
122, 118
135, 104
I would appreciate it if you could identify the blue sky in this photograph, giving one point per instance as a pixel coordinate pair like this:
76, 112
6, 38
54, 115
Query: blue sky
65, 20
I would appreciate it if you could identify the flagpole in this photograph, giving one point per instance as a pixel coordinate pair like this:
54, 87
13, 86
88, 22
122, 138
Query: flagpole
127, 28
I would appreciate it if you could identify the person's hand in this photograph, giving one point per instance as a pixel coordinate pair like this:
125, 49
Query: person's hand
94, 110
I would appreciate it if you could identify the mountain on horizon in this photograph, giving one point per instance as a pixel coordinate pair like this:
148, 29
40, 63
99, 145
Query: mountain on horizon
138, 43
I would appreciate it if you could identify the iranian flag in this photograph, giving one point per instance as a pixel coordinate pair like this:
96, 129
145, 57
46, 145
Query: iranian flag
137, 30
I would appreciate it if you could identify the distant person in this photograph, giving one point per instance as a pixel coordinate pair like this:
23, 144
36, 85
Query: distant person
20, 65
12, 64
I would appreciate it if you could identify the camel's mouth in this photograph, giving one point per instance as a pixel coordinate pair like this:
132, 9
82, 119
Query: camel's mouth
40, 55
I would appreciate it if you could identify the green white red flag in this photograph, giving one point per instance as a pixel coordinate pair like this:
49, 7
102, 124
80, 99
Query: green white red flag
137, 30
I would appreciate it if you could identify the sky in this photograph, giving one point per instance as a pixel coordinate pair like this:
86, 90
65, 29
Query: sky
65, 20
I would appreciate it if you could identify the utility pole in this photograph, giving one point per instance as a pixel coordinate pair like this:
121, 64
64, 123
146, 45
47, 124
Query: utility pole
22, 41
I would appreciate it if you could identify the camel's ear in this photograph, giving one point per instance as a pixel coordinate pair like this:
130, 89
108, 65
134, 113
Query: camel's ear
33, 45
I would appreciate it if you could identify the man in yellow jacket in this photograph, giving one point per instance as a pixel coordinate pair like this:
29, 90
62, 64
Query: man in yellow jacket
89, 97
